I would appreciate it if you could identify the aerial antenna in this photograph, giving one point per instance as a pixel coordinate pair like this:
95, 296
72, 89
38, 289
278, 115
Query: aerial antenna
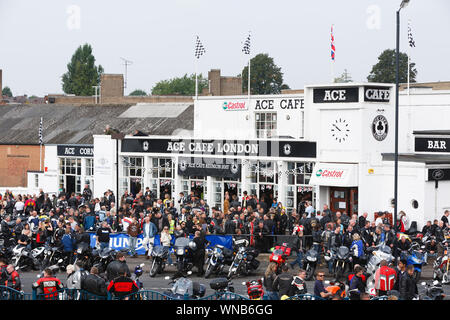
126, 64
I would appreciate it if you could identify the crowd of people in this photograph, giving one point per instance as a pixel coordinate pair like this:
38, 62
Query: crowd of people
66, 219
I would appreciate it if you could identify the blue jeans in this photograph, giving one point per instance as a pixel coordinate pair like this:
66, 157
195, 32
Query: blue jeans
272, 295
132, 242
298, 261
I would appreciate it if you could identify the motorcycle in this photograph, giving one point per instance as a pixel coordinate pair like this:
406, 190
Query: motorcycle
183, 287
217, 259
433, 291
101, 258
184, 254
244, 261
53, 256
441, 267
279, 256
25, 259
159, 255
310, 260
83, 253
379, 253
255, 289
222, 287
337, 288
343, 262
138, 271
416, 258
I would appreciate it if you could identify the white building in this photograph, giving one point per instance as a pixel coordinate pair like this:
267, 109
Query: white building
333, 145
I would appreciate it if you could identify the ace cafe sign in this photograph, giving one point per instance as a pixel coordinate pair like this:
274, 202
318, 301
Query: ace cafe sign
377, 94
336, 95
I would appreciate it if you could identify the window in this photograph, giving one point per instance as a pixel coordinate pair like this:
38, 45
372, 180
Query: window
266, 124
133, 166
36, 180
71, 166
89, 167
298, 189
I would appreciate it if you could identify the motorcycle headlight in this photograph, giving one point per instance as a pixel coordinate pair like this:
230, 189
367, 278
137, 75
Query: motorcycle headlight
275, 258
79, 250
309, 258
180, 252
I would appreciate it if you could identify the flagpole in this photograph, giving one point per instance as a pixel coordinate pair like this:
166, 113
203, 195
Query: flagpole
409, 53
40, 145
196, 80
333, 54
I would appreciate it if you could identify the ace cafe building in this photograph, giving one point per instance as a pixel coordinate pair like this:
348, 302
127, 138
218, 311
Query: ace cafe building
332, 145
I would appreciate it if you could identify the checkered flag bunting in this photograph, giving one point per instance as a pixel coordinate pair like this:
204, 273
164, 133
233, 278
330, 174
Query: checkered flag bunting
199, 49
246, 48
410, 37
40, 132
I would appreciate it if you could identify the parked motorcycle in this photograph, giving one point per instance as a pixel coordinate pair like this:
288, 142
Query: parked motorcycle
433, 291
441, 267
159, 256
101, 258
183, 287
54, 256
83, 253
416, 258
222, 288
381, 252
138, 271
310, 260
255, 289
184, 248
244, 261
342, 262
279, 256
24, 259
217, 259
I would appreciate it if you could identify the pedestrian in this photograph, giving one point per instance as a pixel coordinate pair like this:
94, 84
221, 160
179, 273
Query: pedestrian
165, 240
122, 285
357, 285
408, 287
319, 288
199, 252
298, 285
48, 285
149, 232
400, 271
114, 267
12, 278
133, 231
297, 245
102, 236
269, 277
385, 277
282, 283
93, 283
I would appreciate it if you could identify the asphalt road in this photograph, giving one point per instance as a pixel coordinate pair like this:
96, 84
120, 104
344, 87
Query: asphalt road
160, 284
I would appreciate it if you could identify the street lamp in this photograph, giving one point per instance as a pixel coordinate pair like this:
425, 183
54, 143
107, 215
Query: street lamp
402, 5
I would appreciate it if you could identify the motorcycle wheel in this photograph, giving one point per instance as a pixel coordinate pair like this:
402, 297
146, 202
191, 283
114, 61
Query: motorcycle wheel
445, 278
309, 271
208, 271
154, 268
417, 275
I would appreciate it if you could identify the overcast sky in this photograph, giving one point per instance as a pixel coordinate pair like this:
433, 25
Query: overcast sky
38, 38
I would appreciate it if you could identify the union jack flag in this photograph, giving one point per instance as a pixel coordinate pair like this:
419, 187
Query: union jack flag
333, 48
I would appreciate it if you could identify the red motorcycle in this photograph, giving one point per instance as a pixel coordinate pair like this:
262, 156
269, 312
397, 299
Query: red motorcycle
255, 289
279, 255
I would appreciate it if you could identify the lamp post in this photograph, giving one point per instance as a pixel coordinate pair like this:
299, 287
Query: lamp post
402, 5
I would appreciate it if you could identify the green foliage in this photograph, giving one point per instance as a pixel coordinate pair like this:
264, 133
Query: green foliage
7, 92
138, 92
180, 86
82, 73
345, 77
265, 76
384, 70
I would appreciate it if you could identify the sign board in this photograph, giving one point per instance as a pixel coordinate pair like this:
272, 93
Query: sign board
214, 167
336, 95
428, 144
66, 150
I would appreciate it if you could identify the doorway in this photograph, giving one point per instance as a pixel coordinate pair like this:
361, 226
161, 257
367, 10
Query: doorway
266, 193
135, 185
344, 200
70, 184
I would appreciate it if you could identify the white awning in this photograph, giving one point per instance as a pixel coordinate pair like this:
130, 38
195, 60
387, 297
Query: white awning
335, 175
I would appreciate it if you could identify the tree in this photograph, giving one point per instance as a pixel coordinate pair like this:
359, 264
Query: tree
7, 92
82, 73
384, 70
180, 86
265, 76
138, 92
345, 77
